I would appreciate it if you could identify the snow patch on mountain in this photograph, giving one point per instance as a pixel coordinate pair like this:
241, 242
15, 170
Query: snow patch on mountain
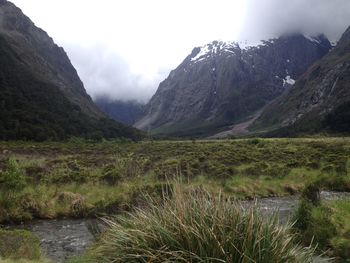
232, 47
203, 51
221, 47
214, 48
245, 45
312, 39
288, 80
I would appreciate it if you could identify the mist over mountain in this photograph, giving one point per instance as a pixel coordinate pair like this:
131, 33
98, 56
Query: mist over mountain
107, 74
117, 55
221, 84
271, 18
218, 85
41, 95
127, 112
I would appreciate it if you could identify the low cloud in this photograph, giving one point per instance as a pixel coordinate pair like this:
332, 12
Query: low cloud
107, 74
269, 18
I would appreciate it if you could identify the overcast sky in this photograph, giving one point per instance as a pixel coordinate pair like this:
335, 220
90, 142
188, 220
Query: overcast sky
124, 48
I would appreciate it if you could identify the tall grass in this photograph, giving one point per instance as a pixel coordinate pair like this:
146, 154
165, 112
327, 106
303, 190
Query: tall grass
194, 226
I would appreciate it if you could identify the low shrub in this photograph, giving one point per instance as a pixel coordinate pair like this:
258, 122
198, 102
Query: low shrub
254, 141
263, 169
123, 168
12, 182
13, 179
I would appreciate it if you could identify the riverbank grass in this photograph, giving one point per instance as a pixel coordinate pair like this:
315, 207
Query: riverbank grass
191, 225
19, 246
327, 225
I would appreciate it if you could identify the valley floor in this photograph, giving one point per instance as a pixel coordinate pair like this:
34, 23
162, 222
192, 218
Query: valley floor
81, 179
78, 179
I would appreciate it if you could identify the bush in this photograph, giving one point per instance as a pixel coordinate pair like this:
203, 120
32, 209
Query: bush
194, 226
124, 168
303, 215
168, 169
13, 179
254, 141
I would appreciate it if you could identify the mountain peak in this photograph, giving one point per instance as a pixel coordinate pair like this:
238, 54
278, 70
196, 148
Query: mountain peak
212, 49
222, 83
223, 48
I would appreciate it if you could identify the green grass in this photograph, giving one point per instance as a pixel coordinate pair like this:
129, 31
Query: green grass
327, 225
191, 225
325, 222
19, 245
80, 179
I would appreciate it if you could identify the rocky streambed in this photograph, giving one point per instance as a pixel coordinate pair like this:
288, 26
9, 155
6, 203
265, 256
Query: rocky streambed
64, 238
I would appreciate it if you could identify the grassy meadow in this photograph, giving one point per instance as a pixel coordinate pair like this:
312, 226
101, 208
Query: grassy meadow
81, 179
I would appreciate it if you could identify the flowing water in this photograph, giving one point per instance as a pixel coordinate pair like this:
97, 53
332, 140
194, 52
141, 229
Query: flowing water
61, 239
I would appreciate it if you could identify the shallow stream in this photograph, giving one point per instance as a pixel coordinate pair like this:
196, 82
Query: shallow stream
61, 239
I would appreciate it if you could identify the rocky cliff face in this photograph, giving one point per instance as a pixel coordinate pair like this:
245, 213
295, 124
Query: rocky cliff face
41, 95
320, 99
38, 52
221, 84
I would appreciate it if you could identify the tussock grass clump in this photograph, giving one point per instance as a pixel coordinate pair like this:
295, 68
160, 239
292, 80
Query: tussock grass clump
194, 226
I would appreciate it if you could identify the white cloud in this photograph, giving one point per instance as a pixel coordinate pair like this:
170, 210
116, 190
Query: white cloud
268, 18
125, 48
148, 37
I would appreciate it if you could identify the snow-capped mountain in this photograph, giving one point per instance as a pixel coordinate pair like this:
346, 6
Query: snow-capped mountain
223, 83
